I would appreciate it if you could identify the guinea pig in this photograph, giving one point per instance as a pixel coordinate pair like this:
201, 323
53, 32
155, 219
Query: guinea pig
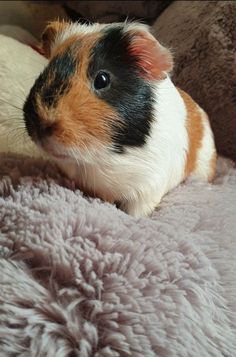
107, 111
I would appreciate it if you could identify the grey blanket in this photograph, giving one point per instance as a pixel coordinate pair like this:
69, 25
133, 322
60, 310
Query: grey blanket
81, 278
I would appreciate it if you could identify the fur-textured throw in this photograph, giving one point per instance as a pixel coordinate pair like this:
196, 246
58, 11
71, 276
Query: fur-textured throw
81, 278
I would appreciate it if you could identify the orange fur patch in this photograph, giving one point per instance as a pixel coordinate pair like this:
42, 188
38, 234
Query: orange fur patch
49, 34
82, 118
195, 129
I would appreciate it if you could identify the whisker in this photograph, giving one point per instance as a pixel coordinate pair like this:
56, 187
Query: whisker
74, 150
10, 120
15, 137
74, 156
10, 104
89, 154
18, 136
22, 99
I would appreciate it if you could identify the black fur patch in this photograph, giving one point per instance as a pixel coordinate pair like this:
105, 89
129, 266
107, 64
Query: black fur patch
129, 94
55, 79
32, 122
52, 83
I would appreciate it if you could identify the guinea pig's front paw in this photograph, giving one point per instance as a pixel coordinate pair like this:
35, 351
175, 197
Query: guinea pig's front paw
138, 208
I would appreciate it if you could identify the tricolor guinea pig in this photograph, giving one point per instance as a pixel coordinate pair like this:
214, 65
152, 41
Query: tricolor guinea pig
107, 111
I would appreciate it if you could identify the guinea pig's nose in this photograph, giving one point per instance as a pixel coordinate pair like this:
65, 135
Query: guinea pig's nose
36, 129
43, 130
40, 130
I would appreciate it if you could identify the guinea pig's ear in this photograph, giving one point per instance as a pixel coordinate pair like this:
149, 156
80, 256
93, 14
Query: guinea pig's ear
153, 59
49, 35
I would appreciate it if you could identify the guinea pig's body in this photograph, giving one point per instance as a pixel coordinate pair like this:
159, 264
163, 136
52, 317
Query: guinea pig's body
106, 110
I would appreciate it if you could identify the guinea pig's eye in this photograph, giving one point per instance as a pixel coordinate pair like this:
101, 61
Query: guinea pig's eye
102, 80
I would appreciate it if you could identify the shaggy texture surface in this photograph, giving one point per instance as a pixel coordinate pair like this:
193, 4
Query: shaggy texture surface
202, 35
81, 278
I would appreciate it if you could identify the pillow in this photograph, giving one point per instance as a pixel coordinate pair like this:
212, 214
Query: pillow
202, 36
19, 67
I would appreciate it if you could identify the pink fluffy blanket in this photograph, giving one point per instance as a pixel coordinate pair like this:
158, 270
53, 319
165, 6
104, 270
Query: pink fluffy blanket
81, 278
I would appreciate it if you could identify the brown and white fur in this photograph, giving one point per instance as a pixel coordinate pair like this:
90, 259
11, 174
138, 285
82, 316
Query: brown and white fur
78, 129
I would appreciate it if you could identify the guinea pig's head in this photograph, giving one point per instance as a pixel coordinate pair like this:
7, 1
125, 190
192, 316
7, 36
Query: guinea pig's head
96, 93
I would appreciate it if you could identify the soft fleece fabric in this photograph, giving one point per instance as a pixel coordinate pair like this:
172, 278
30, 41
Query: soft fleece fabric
81, 278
